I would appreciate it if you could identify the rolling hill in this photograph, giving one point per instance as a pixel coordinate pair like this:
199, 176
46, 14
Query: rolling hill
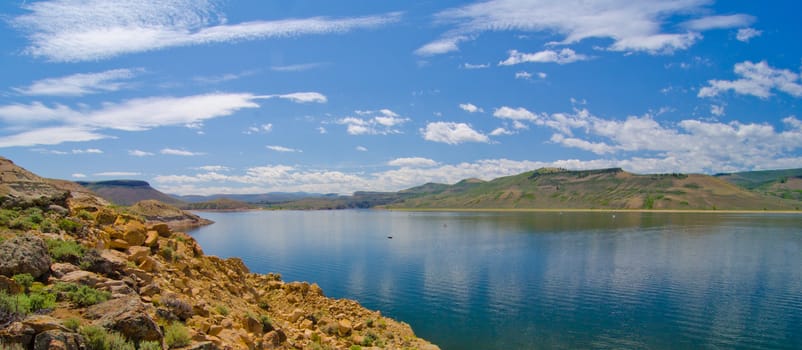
128, 192
551, 188
785, 183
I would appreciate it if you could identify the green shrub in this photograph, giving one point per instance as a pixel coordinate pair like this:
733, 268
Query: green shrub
267, 323
83, 214
82, 295
41, 301
23, 304
369, 338
7, 216
68, 225
98, 338
167, 253
61, 250
72, 324
150, 345
176, 335
24, 280
355, 347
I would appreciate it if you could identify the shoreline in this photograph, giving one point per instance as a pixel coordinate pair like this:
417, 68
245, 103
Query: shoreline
574, 210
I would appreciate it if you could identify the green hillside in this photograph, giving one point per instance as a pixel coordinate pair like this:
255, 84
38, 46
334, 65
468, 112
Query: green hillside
614, 188
785, 183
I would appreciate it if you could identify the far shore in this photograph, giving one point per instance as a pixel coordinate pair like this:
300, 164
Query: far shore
668, 211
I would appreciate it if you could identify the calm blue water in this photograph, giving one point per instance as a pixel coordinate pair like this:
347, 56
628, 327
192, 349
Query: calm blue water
543, 280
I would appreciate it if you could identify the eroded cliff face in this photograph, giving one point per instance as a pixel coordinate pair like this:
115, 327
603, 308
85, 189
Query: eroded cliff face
97, 275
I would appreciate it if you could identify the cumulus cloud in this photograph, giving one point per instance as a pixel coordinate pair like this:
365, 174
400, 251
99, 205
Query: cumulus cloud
180, 152
283, 149
139, 153
381, 122
81, 84
717, 110
519, 114
637, 26
523, 75
757, 79
88, 30
563, 56
470, 108
412, 162
452, 133
746, 34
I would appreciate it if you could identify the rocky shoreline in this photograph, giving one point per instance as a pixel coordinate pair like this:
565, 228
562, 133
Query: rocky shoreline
94, 275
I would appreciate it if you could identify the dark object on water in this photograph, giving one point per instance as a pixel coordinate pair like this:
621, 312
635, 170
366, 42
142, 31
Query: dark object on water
389, 237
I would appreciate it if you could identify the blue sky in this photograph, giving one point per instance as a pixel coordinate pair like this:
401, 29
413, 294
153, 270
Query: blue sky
202, 97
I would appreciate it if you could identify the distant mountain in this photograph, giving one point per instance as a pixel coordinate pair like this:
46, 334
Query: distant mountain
261, 198
551, 188
128, 192
785, 183
222, 204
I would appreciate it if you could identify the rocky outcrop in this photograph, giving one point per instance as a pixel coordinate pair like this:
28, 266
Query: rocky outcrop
152, 277
155, 212
24, 254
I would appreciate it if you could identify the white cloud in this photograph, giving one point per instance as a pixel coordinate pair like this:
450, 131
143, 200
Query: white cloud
80, 84
321, 130
542, 75
633, 26
180, 152
361, 148
564, 56
117, 173
139, 153
264, 128
78, 175
717, 110
412, 162
746, 34
213, 168
441, 46
719, 22
470, 108
519, 114
298, 67
50, 136
501, 131
523, 75
475, 66
133, 115
87, 30
282, 149
452, 133
224, 77
87, 151
302, 97
381, 122
757, 79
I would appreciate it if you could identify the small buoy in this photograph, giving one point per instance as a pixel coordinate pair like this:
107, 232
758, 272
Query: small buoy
389, 237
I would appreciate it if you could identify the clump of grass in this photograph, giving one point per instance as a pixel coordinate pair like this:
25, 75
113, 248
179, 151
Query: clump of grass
63, 250
267, 323
176, 335
82, 295
23, 304
24, 280
72, 324
68, 225
167, 253
150, 345
221, 309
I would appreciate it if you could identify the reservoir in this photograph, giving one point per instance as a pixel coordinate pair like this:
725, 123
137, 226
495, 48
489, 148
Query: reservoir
527, 280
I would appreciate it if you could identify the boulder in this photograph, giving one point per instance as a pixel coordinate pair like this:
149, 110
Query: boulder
24, 254
43, 323
106, 262
151, 238
274, 338
162, 229
127, 315
58, 270
344, 327
17, 333
134, 233
137, 253
252, 325
86, 278
58, 340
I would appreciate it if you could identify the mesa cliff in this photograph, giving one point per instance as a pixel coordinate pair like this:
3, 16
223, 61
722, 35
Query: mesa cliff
76, 273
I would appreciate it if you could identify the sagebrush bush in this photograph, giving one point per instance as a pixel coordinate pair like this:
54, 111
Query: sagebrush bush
64, 250
176, 335
82, 295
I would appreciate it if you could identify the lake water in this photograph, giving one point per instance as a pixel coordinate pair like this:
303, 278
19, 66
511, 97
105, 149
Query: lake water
543, 280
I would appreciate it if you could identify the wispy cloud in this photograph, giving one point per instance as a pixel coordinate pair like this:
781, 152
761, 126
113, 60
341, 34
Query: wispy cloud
283, 149
215, 79
719, 22
757, 79
264, 128
452, 133
180, 152
361, 148
563, 56
139, 153
81, 84
86, 30
632, 26
36, 119
298, 67
475, 66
